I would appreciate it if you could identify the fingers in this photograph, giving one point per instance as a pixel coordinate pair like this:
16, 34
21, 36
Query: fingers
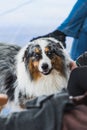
3, 99
73, 65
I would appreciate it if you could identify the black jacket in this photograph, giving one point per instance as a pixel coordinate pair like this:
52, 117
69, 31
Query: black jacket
43, 113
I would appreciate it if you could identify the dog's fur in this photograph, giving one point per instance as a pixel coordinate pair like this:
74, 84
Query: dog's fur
40, 68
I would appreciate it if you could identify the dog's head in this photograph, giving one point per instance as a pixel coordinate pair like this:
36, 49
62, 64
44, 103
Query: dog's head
44, 55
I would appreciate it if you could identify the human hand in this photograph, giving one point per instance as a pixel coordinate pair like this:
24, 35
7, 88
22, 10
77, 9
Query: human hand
58, 35
3, 100
73, 65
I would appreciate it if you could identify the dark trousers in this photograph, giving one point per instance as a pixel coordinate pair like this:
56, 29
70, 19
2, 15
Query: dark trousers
77, 84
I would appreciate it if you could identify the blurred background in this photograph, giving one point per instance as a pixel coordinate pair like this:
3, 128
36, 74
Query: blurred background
21, 20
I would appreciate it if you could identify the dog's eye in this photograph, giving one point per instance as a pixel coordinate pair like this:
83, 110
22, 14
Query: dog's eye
50, 54
37, 56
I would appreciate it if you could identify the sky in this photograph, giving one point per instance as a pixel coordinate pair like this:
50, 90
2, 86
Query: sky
21, 20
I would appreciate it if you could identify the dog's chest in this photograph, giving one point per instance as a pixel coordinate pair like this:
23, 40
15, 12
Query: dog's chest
47, 84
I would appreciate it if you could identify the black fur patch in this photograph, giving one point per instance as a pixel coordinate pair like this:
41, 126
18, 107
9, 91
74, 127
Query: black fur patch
9, 85
30, 52
55, 48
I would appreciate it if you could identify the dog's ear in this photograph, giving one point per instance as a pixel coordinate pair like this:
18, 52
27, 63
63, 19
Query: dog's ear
59, 45
35, 38
57, 49
27, 53
61, 40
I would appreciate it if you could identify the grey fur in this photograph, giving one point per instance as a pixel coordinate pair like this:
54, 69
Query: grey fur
7, 63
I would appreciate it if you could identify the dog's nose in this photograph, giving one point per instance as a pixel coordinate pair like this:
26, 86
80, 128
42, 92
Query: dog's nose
44, 66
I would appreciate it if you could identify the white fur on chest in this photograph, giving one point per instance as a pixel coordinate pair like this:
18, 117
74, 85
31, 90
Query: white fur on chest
47, 84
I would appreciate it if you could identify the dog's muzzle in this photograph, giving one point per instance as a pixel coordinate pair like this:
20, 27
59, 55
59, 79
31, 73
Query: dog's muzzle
45, 69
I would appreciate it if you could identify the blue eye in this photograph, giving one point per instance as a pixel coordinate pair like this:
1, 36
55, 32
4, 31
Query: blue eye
37, 56
50, 54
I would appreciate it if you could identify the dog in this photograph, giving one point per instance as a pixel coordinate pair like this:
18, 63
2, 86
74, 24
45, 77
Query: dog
42, 67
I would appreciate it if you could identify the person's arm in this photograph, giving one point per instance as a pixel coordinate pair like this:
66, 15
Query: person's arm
73, 23
71, 26
76, 118
77, 84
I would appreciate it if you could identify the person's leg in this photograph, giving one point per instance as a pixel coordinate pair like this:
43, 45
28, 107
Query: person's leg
73, 23
77, 84
79, 46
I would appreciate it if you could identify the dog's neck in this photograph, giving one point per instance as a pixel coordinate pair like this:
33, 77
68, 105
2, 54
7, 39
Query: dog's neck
49, 84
